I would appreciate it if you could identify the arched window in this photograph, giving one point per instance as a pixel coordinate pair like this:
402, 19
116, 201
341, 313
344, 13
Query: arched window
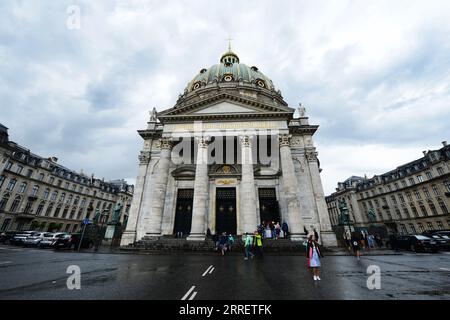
72, 213
49, 210
58, 209
65, 212
4, 201
80, 214
46, 193
15, 204
40, 208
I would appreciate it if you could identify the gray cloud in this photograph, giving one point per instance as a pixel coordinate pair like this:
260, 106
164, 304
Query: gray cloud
373, 75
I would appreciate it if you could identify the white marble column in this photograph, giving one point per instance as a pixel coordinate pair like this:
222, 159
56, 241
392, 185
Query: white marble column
249, 218
328, 237
201, 190
160, 188
290, 186
129, 236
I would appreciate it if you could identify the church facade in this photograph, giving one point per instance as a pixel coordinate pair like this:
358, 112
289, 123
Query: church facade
227, 157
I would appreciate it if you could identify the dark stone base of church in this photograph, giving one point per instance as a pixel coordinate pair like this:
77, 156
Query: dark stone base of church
168, 244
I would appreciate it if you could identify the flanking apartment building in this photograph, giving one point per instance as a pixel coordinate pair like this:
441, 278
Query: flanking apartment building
37, 193
410, 199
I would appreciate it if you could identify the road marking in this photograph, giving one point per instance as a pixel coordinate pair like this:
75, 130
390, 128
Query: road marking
188, 293
5, 262
211, 271
445, 269
193, 296
207, 270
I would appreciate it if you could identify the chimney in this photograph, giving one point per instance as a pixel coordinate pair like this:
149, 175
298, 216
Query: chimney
444, 143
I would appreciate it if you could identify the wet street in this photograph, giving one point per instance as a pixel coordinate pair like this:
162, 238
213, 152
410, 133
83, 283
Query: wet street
27, 273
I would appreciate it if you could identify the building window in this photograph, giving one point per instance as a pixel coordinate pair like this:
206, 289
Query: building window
435, 190
408, 195
394, 200
72, 213
23, 187
411, 181
80, 214
420, 178
446, 184
40, 208
5, 224
29, 173
28, 207
440, 170
59, 183
421, 228
402, 199
443, 207
429, 175
396, 186
67, 185
429, 226
414, 210
77, 199
8, 166
15, 204
417, 193
63, 197
2, 179
11, 184
35, 190
406, 212
4, 201
65, 212
57, 211
46, 193
403, 229
440, 225
19, 169
41, 177
49, 210
422, 208
433, 208
54, 195
426, 192
69, 199
412, 228
404, 183
51, 180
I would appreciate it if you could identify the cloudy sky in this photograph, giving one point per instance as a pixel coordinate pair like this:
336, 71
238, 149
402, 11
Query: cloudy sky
375, 75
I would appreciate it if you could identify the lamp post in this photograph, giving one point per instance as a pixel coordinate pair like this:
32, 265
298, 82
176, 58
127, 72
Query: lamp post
344, 215
103, 218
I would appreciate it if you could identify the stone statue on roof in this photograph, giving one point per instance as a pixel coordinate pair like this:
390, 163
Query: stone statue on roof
301, 110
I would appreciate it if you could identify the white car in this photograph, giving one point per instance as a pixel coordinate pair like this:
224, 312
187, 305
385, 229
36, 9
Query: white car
35, 239
50, 239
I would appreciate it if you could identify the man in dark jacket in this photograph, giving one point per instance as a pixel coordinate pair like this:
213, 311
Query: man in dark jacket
285, 229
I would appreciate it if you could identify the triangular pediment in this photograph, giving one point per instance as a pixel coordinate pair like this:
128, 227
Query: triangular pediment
225, 105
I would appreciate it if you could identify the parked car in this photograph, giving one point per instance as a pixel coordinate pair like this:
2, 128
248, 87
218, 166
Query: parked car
72, 242
20, 237
35, 239
6, 236
417, 243
50, 239
442, 237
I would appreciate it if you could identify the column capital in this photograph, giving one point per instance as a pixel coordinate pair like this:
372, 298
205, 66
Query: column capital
311, 155
202, 142
165, 143
284, 139
144, 157
246, 140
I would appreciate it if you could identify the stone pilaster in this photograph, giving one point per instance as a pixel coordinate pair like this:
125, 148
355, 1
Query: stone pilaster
328, 237
290, 186
249, 219
201, 190
160, 187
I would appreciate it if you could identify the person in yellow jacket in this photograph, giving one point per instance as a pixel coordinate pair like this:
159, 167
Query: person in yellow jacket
257, 244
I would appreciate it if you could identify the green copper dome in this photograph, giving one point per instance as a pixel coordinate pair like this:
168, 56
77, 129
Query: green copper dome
230, 70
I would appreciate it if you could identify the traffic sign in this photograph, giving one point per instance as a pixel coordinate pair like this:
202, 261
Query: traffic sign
86, 221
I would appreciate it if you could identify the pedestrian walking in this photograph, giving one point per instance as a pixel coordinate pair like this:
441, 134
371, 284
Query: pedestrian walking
278, 230
268, 232
316, 235
248, 242
215, 239
257, 244
230, 242
285, 229
355, 241
223, 242
313, 256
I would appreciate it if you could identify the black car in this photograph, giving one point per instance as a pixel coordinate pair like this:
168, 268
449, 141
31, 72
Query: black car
72, 241
442, 237
417, 243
